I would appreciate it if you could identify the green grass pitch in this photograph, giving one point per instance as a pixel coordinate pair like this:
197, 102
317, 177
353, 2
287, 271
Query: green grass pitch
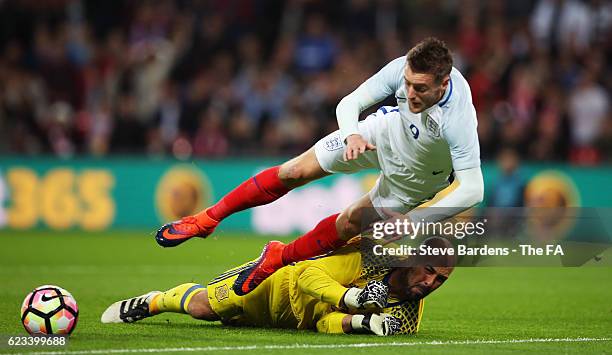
479, 310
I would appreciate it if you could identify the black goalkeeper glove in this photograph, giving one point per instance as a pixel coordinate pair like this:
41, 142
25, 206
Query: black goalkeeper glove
373, 296
380, 324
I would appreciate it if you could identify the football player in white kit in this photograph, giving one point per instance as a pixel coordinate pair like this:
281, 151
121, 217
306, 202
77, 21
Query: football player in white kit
417, 145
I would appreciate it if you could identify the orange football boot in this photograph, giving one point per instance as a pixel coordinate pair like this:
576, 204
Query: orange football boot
174, 233
270, 260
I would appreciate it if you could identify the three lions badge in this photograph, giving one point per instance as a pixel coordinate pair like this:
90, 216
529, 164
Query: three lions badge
432, 127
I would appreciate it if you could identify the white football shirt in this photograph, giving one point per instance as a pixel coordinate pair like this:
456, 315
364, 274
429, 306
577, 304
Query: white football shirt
416, 152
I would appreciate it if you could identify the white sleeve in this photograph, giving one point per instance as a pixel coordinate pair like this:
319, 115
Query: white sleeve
373, 90
469, 193
461, 134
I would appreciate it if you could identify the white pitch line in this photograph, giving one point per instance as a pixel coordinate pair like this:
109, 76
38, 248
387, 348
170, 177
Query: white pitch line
317, 346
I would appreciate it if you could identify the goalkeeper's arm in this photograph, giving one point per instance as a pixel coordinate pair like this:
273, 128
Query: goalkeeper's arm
318, 283
325, 278
379, 324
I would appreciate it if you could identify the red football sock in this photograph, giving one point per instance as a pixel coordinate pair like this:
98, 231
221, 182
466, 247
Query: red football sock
322, 239
261, 189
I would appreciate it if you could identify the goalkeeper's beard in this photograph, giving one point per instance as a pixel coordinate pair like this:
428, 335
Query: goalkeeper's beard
407, 293
421, 292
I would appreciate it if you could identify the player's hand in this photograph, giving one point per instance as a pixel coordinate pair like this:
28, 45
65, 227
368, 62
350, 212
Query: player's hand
355, 145
380, 324
372, 297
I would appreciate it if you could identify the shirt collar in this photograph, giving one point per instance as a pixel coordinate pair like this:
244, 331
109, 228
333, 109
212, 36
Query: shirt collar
447, 94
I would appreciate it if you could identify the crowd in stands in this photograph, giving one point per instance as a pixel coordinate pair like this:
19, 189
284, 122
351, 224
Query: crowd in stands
210, 79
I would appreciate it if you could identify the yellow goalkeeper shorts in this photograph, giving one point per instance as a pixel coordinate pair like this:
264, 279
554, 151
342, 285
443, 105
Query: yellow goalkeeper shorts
266, 306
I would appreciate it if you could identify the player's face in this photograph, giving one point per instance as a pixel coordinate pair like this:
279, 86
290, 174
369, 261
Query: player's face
420, 281
422, 89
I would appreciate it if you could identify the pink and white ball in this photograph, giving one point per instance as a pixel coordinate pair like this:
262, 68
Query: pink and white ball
49, 310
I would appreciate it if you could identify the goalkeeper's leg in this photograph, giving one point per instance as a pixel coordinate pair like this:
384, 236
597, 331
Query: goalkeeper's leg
330, 234
200, 308
263, 188
189, 298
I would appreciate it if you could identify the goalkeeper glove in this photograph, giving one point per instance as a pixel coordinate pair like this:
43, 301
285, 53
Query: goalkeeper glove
372, 296
380, 324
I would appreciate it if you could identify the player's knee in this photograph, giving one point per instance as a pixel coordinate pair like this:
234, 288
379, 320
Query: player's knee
301, 170
199, 307
348, 223
294, 173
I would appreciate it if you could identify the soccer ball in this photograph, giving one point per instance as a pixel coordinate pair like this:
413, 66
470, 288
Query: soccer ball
49, 310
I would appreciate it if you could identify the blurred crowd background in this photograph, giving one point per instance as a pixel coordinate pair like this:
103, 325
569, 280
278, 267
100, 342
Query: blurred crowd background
222, 78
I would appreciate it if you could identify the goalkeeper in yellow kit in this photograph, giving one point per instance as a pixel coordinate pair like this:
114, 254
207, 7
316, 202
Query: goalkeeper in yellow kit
336, 293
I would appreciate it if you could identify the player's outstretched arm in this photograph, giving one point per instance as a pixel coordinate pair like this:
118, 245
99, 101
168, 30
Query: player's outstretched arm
469, 192
324, 278
380, 324
327, 285
373, 90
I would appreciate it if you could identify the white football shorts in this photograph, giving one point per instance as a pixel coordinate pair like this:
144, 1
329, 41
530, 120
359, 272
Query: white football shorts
384, 195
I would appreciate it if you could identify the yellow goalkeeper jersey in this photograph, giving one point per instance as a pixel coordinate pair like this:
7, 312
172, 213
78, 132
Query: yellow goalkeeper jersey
306, 295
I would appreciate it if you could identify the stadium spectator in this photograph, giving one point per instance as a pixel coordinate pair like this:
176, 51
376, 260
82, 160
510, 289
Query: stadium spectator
267, 70
210, 140
589, 106
509, 188
128, 131
315, 49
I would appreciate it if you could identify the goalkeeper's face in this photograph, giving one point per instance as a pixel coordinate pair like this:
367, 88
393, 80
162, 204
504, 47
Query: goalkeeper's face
420, 281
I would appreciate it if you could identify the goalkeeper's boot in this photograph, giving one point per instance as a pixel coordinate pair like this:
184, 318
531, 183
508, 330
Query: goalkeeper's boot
174, 233
270, 260
130, 310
